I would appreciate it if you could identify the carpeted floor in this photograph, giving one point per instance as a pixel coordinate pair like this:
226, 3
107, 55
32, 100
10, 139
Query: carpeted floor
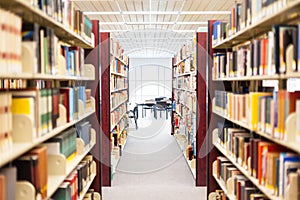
152, 167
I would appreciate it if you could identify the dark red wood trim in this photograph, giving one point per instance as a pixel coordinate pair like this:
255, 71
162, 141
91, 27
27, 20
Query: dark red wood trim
212, 119
201, 114
105, 105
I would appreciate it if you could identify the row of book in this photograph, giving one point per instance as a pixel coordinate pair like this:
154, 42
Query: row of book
261, 111
187, 50
117, 51
116, 115
117, 82
117, 98
243, 189
276, 52
33, 165
186, 82
41, 106
244, 14
64, 11
10, 48
270, 163
43, 53
119, 134
186, 99
75, 183
118, 66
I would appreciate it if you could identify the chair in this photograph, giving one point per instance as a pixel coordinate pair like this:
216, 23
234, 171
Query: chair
133, 114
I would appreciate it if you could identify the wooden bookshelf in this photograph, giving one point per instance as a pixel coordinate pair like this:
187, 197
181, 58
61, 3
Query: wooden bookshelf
284, 15
34, 14
183, 111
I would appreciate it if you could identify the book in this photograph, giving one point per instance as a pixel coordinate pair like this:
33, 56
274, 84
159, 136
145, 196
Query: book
2, 187
42, 168
285, 37
63, 192
27, 170
10, 174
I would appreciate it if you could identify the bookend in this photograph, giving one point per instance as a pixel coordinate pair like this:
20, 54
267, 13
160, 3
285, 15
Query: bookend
291, 125
212, 196
62, 63
81, 147
291, 191
29, 60
230, 186
62, 120
97, 196
25, 190
88, 71
23, 129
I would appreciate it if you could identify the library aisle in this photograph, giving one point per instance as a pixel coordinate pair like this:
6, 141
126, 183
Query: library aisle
152, 166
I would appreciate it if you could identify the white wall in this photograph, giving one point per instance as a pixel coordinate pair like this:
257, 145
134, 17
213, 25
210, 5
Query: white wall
149, 78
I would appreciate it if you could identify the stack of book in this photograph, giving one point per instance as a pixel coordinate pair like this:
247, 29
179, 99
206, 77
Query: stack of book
274, 53
269, 163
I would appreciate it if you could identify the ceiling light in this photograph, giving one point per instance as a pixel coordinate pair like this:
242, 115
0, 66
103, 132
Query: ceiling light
205, 12
184, 31
104, 31
101, 13
182, 23
160, 13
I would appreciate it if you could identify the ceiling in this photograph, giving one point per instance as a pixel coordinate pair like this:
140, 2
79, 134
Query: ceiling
154, 28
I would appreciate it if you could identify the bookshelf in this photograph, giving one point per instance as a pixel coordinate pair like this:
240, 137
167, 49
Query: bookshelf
114, 81
32, 13
119, 99
185, 102
252, 50
57, 112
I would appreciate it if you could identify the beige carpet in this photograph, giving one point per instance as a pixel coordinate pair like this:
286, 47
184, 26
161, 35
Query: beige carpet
152, 167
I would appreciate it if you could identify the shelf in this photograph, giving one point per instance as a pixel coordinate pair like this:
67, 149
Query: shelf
44, 77
260, 77
118, 106
34, 14
284, 15
54, 181
123, 115
21, 148
190, 56
118, 90
185, 90
122, 61
87, 187
193, 73
245, 172
293, 146
119, 74
178, 114
230, 197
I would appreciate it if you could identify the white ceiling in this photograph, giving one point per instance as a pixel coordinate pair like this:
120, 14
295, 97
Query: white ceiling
154, 28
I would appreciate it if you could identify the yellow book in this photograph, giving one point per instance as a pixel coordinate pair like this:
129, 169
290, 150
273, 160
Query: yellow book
254, 102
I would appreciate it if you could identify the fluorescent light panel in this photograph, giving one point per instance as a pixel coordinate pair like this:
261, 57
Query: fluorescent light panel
154, 23
160, 13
